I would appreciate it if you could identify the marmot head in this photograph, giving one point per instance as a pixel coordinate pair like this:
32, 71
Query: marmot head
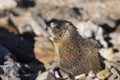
61, 30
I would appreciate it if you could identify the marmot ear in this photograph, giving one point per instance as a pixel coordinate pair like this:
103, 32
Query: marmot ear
67, 24
70, 26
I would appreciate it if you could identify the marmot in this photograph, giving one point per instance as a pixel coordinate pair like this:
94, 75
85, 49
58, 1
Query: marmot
76, 55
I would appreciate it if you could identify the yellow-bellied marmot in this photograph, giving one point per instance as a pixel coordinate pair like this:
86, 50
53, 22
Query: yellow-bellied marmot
76, 55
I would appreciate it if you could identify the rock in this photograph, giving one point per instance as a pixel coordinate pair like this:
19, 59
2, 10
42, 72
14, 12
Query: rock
5, 55
2, 77
43, 43
107, 64
51, 12
96, 79
101, 13
10, 71
34, 67
8, 27
97, 11
114, 64
17, 71
115, 72
44, 50
28, 23
116, 57
21, 48
87, 29
7, 5
115, 75
37, 27
20, 23
107, 53
4, 20
115, 38
112, 77
103, 74
46, 76
41, 22
70, 3
61, 3
80, 77
26, 3
91, 74
22, 20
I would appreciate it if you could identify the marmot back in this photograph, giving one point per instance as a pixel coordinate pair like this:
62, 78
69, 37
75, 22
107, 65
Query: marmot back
76, 55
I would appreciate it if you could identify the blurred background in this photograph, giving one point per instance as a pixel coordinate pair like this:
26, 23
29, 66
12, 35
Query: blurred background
26, 51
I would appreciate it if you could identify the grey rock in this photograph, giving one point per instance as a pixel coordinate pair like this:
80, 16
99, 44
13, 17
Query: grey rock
10, 71
28, 23
37, 27
88, 28
46, 76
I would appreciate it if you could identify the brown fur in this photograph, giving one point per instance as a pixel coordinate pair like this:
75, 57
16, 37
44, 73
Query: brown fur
76, 55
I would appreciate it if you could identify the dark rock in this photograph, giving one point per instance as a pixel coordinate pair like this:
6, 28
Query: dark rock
26, 3
5, 55
17, 71
22, 49
29, 71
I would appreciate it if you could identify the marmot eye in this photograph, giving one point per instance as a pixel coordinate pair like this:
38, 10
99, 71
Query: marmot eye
58, 27
53, 24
